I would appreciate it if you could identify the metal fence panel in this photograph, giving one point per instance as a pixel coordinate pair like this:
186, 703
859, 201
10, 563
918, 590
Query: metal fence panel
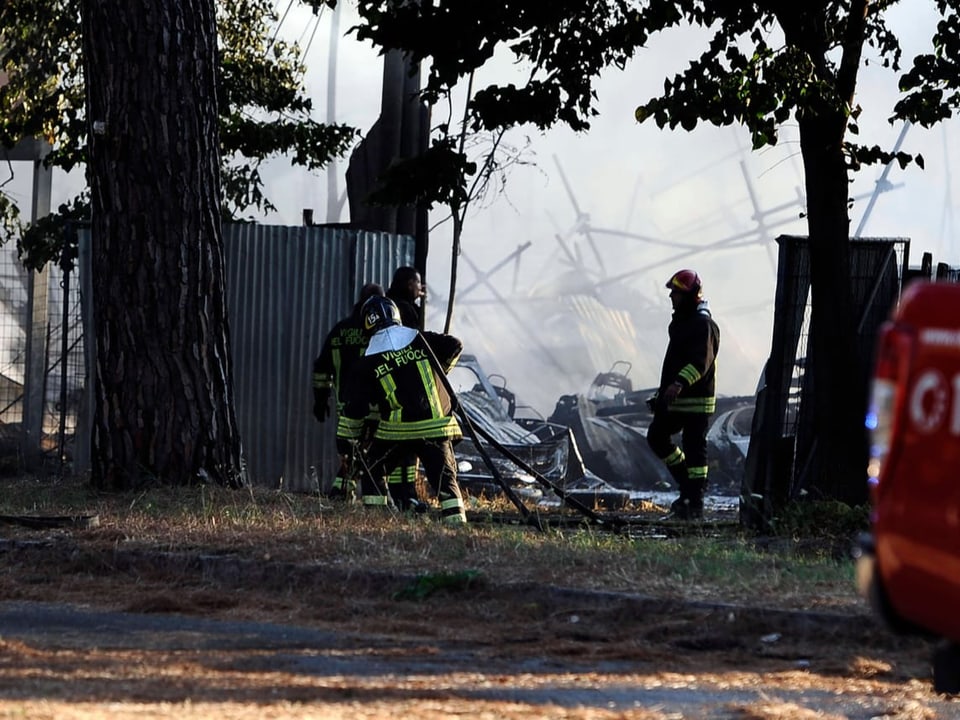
14, 321
286, 287
782, 454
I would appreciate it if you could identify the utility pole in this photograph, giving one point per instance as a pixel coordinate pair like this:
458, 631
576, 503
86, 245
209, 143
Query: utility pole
333, 195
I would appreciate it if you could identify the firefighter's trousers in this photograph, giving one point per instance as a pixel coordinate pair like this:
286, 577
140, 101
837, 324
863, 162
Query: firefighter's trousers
439, 465
686, 462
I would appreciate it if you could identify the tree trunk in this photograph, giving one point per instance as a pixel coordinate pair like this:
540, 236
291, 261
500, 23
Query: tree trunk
164, 397
839, 385
839, 470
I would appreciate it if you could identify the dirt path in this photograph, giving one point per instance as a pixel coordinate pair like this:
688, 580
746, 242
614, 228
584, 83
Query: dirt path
218, 637
61, 661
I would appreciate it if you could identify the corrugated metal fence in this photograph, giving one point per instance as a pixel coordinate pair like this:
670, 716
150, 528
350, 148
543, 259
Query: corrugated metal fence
286, 287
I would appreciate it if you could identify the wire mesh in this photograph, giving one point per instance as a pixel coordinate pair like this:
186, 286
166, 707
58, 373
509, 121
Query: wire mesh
13, 348
65, 373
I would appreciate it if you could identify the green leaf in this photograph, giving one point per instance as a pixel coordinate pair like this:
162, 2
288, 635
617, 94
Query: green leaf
264, 108
423, 586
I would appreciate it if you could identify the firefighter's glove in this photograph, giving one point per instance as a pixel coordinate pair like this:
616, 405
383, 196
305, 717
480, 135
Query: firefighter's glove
652, 402
670, 393
321, 404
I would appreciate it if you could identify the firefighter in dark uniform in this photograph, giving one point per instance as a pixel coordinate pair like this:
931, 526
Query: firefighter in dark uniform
686, 398
399, 375
342, 347
407, 292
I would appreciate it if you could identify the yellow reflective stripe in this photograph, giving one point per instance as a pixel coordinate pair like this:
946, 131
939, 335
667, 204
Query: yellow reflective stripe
389, 386
674, 458
430, 385
443, 427
375, 500
451, 510
698, 472
322, 380
690, 374
404, 473
337, 363
453, 503
348, 427
694, 405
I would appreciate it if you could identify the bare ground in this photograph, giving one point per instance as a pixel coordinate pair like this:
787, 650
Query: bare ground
582, 639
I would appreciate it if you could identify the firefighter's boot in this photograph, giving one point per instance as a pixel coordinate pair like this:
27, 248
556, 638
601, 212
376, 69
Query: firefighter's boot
689, 506
374, 495
343, 489
403, 488
404, 496
686, 508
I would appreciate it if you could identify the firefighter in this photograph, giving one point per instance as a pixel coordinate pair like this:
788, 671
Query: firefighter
342, 347
407, 290
399, 375
686, 397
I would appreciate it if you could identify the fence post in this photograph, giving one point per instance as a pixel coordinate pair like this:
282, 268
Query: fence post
84, 429
34, 380
36, 360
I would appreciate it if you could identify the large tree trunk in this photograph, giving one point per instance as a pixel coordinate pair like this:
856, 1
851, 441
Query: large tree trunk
838, 373
838, 377
164, 398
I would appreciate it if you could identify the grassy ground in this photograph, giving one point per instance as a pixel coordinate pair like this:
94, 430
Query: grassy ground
702, 563
501, 597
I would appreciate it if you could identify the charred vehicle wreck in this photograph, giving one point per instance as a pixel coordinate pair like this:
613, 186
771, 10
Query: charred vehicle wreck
548, 448
610, 422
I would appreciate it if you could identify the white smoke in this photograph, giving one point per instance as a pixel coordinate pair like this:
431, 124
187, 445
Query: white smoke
611, 213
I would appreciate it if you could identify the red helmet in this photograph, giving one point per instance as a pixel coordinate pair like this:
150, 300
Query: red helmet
686, 281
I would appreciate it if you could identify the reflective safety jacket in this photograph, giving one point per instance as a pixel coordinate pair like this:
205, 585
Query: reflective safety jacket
343, 346
398, 377
691, 360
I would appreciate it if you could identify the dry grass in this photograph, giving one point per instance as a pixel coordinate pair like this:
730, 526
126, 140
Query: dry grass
264, 524
590, 645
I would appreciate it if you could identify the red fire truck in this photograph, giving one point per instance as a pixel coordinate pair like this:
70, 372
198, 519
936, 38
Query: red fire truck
909, 566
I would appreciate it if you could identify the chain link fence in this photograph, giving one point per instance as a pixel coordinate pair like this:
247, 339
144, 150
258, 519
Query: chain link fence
41, 366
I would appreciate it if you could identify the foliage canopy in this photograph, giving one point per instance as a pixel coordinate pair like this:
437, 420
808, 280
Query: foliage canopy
766, 63
264, 111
